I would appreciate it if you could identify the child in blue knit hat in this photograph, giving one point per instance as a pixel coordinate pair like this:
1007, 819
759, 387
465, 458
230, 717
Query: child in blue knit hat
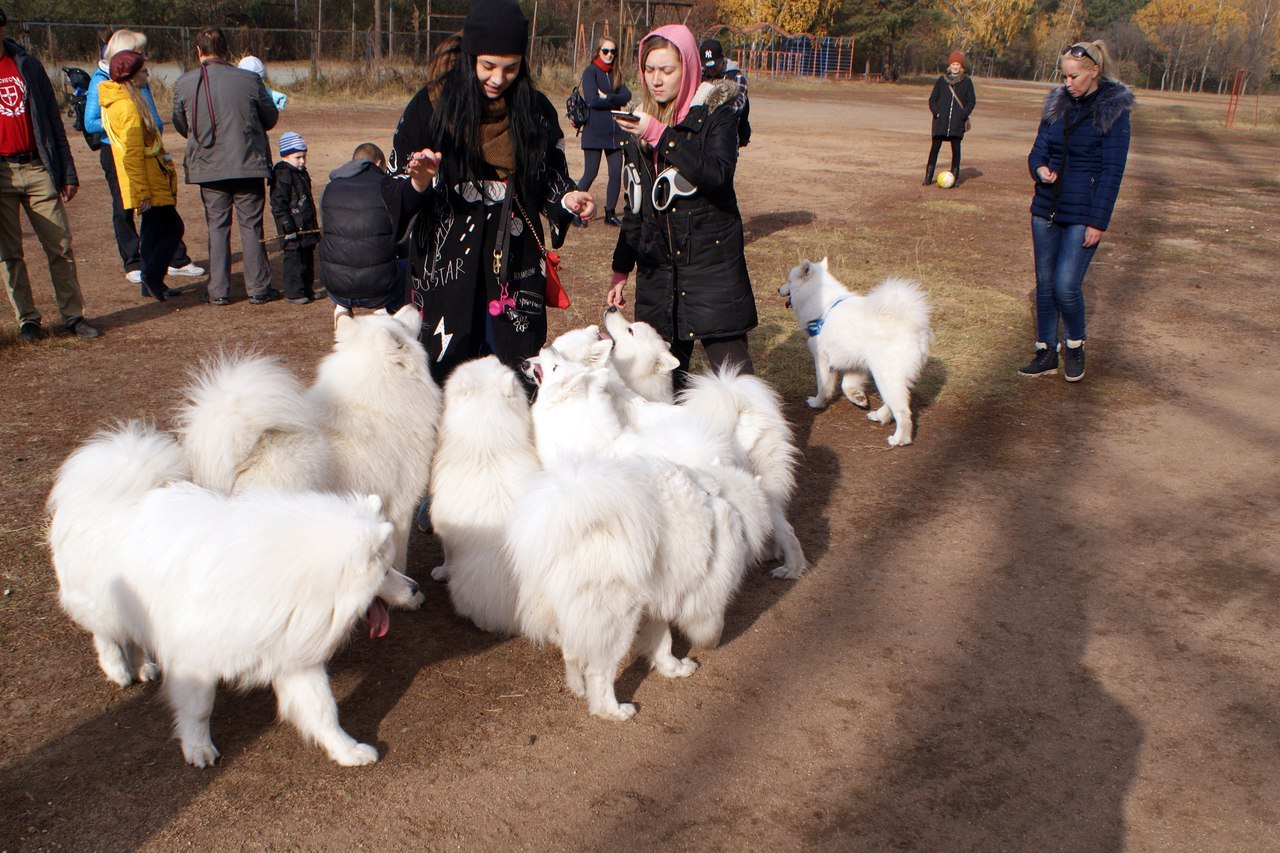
294, 209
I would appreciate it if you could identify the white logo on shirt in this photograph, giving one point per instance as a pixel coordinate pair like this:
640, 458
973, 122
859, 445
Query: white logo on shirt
13, 101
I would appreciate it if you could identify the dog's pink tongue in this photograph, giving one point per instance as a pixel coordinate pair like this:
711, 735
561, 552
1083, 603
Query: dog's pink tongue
379, 619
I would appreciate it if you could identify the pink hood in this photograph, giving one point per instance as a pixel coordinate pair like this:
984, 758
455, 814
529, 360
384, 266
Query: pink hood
690, 73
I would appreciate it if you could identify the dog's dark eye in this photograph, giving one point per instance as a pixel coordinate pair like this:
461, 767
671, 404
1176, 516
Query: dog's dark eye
631, 331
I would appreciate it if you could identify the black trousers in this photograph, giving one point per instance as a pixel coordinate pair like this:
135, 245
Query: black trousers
719, 351
299, 272
162, 230
127, 241
591, 168
955, 153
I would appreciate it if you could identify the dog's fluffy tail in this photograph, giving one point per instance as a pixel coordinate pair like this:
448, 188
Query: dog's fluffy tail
748, 409
116, 468
231, 402
903, 300
582, 542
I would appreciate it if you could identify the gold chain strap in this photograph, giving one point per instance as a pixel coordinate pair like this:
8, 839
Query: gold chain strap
525, 217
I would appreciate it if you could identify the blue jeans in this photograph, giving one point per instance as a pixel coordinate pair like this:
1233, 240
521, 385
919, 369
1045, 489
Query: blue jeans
1061, 262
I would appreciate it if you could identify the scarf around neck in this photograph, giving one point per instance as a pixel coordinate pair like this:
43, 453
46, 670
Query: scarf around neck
495, 130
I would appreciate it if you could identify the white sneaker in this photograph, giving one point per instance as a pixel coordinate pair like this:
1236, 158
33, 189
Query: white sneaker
190, 270
134, 276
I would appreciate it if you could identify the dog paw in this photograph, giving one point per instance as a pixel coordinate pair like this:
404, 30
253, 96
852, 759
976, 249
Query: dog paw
881, 415
357, 755
440, 573
898, 441
815, 403
200, 754
149, 671
786, 573
858, 398
678, 667
620, 712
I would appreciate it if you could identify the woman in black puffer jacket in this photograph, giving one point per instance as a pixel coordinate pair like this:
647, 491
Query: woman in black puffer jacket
681, 229
1077, 163
951, 102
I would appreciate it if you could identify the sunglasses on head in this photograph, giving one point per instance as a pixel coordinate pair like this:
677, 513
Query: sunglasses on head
1079, 51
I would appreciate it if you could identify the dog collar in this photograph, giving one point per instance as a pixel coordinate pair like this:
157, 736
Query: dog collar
813, 327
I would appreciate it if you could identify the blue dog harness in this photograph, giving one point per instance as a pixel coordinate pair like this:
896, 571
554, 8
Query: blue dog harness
813, 327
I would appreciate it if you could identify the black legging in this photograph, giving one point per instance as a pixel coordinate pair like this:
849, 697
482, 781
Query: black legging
591, 167
955, 153
719, 351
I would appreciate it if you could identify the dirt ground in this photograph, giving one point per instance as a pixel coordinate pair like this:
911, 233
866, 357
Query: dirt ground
1048, 624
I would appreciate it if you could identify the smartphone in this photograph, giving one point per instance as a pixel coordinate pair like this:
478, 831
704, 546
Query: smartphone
624, 114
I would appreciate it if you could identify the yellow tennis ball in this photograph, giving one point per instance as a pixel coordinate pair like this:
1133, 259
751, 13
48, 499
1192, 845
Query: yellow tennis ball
946, 180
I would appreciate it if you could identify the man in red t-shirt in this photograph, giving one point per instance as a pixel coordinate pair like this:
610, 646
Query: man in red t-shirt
36, 172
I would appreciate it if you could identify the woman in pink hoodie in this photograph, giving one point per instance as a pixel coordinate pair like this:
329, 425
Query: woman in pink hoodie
681, 229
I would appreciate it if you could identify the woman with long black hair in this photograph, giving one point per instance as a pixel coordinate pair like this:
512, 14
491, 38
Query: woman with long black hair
484, 154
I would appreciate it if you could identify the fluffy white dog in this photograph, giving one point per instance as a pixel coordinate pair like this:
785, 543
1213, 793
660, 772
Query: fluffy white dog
614, 539
885, 334
254, 589
484, 462
246, 422
367, 425
731, 407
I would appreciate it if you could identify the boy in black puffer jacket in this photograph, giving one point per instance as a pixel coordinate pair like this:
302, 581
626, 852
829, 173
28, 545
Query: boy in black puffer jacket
294, 209
358, 263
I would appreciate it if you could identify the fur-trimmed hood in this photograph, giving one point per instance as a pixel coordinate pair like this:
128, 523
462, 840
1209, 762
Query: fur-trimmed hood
713, 94
1108, 103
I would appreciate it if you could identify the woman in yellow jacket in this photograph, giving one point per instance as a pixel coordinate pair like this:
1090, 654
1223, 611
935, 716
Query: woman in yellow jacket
148, 180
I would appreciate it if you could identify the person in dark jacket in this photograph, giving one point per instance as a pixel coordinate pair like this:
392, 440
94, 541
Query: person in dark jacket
490, 149
951, 102
603, 91
358, 265
224, 113
716, 66
681, 229
1077, 163
294, 209
36, 173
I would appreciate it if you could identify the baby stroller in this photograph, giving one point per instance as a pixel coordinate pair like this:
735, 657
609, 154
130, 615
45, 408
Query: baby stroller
75, 90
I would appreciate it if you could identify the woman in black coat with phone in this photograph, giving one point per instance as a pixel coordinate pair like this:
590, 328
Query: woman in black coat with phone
603, 91
951, 102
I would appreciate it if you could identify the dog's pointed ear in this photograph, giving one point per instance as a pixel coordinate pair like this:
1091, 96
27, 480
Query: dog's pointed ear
598, 353
344, 328
667, 362
385, 537
823, 263
411, 317
373, 503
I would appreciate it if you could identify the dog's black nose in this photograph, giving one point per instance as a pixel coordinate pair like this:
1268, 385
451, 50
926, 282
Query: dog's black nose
414, 588
612, 309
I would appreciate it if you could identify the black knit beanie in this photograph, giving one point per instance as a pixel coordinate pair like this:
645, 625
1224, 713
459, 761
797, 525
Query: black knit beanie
495, 28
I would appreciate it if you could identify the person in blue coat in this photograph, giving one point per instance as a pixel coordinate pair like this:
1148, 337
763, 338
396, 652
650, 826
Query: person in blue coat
122, 222
603, 91
1077, 163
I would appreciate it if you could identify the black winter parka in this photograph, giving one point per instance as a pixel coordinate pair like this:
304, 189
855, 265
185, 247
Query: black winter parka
358, 252
949, 117
691, 270
293, 206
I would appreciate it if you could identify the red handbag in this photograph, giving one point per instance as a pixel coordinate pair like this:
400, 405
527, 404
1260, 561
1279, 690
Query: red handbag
555, 292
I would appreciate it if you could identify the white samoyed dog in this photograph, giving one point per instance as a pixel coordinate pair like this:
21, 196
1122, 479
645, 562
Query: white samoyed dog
739, 408
615, 540
484, 462
177, 580
884, 334
366, 426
